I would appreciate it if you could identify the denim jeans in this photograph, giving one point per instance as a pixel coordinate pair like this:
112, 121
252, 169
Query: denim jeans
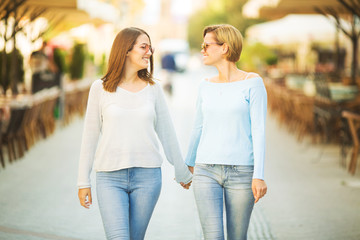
126, 200
215, 185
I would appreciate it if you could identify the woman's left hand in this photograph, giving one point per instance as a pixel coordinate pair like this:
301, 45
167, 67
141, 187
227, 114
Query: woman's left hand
259, 188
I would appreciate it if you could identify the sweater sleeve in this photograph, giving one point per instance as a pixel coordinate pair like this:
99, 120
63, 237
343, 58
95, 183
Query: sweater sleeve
195, 134
258, 108
167, 136
90, 136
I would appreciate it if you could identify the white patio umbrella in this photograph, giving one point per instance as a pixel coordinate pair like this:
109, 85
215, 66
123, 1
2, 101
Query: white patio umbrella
293, 29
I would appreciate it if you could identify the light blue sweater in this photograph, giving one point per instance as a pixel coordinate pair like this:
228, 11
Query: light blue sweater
229, 126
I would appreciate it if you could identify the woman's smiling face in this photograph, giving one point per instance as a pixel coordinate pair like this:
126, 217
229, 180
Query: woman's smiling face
140, 54
212, 51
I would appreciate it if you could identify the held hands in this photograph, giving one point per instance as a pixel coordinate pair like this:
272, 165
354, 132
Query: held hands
259, 188
187, 186
85, 197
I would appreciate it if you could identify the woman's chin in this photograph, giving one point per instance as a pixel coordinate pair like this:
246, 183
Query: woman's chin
142, 67
206, 62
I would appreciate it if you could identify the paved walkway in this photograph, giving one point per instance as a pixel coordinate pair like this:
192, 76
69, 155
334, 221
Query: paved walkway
309, 196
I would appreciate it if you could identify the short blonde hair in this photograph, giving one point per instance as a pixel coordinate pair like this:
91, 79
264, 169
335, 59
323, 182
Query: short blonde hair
226, 33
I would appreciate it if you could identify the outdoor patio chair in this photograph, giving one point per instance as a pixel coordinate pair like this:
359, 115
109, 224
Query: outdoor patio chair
2, 160
304, 115
31, 131
71, 105
9, 138
354, 125
20, 133
47, 119
327, 113
328, 109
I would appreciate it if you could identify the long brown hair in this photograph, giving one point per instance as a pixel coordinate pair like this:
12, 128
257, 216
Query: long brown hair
123, 43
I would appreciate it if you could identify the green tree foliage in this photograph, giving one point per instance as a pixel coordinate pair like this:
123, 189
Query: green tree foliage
59, 59
218, 12
77, 64
5, 83
256, 57
103, 65
5, 79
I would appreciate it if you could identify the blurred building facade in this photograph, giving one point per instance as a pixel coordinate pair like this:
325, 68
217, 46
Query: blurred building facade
307, 38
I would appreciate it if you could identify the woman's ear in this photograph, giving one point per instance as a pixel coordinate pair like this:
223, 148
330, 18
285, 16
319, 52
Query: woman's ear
225, 48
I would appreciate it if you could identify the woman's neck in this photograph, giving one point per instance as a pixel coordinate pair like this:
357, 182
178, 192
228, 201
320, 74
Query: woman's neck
130, 77
228, 71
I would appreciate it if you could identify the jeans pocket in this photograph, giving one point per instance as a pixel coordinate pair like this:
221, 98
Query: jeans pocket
240, 177
244, 169
204, 169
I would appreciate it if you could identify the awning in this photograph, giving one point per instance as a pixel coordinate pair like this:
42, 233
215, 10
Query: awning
285, 7
309, 28
53, 3
61, 14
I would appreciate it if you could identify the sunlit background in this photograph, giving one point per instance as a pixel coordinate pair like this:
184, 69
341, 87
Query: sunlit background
306, 51
294, 36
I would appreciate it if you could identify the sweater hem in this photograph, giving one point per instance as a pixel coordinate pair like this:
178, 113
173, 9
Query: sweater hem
121, 168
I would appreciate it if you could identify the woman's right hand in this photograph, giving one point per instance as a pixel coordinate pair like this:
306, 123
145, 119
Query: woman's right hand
85, 197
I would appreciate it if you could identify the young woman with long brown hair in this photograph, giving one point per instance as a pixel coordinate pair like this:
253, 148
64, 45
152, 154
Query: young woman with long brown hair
125, 116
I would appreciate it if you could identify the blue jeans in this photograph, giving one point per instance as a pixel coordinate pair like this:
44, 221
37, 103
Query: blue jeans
127, 199
216, 184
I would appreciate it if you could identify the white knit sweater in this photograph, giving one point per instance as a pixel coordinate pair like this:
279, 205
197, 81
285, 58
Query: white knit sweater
122, 130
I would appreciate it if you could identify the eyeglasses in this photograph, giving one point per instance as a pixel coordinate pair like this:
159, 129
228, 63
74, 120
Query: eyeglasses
147, 47
205, 45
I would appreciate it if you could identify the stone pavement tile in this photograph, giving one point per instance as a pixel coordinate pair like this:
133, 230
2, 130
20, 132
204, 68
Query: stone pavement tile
259, 228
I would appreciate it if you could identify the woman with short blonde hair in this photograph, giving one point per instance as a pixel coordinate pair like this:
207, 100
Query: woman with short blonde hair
227, 147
